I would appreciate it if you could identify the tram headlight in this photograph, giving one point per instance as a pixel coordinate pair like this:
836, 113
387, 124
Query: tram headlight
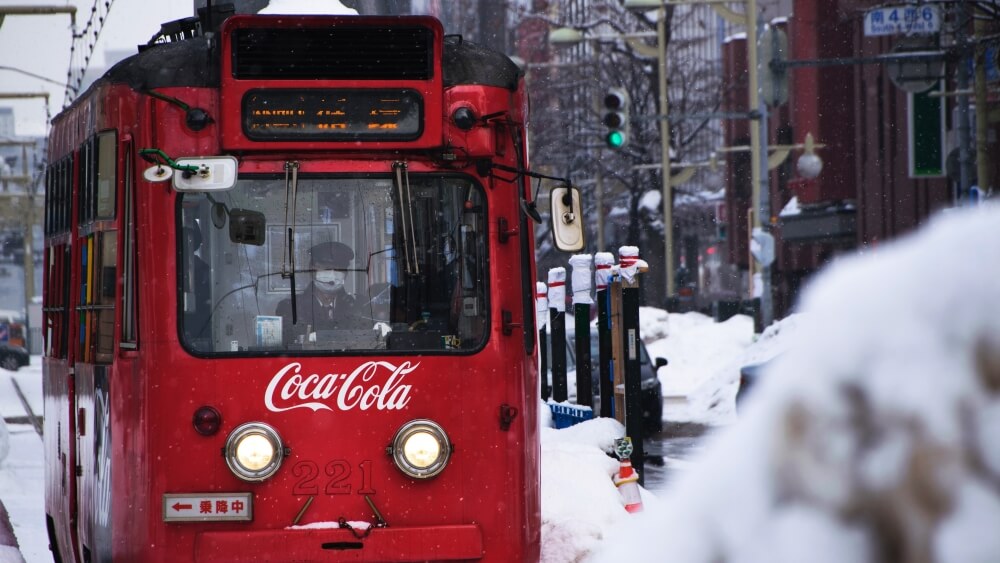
420, 449
254, 451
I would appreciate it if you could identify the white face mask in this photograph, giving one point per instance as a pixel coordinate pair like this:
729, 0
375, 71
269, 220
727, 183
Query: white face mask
329, 280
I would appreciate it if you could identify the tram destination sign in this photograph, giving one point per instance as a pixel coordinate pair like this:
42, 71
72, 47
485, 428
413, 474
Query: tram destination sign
332, 115
894, 20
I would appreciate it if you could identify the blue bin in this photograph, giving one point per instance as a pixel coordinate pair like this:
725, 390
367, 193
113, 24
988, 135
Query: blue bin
565, 416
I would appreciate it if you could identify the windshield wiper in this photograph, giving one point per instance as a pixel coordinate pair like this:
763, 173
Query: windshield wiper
288, 260
402, 180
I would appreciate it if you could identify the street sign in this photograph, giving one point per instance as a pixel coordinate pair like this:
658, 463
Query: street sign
902, 19
773, 48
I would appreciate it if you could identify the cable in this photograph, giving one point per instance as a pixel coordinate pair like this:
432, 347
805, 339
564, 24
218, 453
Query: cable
99, 13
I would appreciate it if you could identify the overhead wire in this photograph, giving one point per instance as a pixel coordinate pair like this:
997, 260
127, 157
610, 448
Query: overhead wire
85, 40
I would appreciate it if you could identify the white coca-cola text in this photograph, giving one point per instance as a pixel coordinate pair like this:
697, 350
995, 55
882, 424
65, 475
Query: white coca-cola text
377, 384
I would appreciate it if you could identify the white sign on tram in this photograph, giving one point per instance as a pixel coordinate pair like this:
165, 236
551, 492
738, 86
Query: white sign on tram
202, 507
902, 19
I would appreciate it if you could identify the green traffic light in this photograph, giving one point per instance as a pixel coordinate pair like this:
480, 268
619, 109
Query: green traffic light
615, 139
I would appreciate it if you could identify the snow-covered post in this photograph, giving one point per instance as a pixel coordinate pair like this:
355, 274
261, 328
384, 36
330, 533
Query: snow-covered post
541, 312
628, 268
557, 327
602, 278
581, 317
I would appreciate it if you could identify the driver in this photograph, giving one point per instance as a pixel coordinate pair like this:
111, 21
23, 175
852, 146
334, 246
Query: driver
325, 303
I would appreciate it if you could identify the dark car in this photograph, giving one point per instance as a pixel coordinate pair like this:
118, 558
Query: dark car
651, 398
12, 357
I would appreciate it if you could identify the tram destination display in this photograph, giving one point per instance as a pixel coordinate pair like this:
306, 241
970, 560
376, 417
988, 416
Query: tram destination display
333, 115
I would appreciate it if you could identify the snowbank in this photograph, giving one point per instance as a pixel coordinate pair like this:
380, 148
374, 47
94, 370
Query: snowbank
876, 435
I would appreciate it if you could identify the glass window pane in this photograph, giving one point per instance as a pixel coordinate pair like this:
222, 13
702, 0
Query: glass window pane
376, 267
106, 174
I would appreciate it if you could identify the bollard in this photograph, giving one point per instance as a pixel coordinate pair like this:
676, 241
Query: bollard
541, 311
602, 278
628, 269
581, 317
557, 328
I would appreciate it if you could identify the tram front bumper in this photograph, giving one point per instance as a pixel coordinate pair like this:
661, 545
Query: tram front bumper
427, 543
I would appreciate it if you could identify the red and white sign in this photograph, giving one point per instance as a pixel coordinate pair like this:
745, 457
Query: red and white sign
376, 384
201, 507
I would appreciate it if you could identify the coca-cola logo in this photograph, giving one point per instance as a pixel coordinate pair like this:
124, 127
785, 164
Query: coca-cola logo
376, 384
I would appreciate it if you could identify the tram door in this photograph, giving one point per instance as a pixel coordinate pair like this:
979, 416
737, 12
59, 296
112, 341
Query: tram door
95, 262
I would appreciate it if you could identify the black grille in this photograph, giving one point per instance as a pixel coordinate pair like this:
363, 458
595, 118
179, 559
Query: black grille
335, 53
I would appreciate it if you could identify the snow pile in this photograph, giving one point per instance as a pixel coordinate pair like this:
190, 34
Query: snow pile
701, 353
876, 435
579, 500
654, 324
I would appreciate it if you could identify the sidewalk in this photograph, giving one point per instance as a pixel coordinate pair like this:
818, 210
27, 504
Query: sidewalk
22, 472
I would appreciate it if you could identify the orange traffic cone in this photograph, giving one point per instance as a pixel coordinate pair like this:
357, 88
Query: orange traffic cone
627, 481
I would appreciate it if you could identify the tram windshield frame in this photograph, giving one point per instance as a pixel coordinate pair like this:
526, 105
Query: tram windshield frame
417, 280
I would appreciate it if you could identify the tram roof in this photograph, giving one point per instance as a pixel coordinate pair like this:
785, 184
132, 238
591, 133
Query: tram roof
195, 63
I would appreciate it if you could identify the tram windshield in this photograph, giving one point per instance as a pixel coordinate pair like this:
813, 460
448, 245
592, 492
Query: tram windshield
379, 263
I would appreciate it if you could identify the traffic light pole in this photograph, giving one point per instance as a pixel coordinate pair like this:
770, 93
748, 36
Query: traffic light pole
668, 197
758, 148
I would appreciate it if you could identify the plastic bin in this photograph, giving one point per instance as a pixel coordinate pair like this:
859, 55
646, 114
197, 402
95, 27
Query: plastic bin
564, 416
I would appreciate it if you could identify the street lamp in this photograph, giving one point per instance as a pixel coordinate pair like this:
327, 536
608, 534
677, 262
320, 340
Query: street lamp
809, 164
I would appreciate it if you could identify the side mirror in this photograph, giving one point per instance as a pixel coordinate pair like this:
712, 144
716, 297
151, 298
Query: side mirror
660, 362
212, 174
567, 219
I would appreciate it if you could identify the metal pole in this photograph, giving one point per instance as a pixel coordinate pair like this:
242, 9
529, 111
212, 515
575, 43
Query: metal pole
633, 370
668, 199
767, 292
758, 149
542, 308
29, 245
557, 328
982, 127
602, 275
964, 132
599, 188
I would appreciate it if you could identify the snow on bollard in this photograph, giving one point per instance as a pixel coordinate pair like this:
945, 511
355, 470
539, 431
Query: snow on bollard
581, 279
542, 304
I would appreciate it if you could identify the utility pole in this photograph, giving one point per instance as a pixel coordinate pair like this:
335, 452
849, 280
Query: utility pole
964, 133
982, 127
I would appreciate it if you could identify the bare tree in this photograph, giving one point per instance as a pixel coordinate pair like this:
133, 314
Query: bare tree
566, 89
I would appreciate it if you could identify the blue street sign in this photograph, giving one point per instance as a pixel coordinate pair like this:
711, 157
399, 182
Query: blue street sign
902, 19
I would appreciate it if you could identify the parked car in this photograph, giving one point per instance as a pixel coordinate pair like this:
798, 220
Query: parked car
13, 357
651, 399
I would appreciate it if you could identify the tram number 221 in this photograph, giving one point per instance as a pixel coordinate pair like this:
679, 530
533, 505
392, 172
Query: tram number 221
338, 478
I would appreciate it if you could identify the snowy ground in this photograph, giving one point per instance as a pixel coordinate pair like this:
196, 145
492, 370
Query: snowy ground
874, 437
579, 500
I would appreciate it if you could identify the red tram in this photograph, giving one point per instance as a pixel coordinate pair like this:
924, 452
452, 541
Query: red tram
288, 299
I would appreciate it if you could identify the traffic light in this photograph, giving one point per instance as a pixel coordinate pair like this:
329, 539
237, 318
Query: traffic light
615, 117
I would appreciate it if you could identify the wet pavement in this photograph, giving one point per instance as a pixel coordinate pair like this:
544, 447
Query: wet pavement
668, 453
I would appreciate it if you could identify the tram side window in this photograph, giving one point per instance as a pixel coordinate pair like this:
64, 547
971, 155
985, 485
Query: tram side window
129, 314
97, 297
97, 178
56, 300
98, 252
58, 205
